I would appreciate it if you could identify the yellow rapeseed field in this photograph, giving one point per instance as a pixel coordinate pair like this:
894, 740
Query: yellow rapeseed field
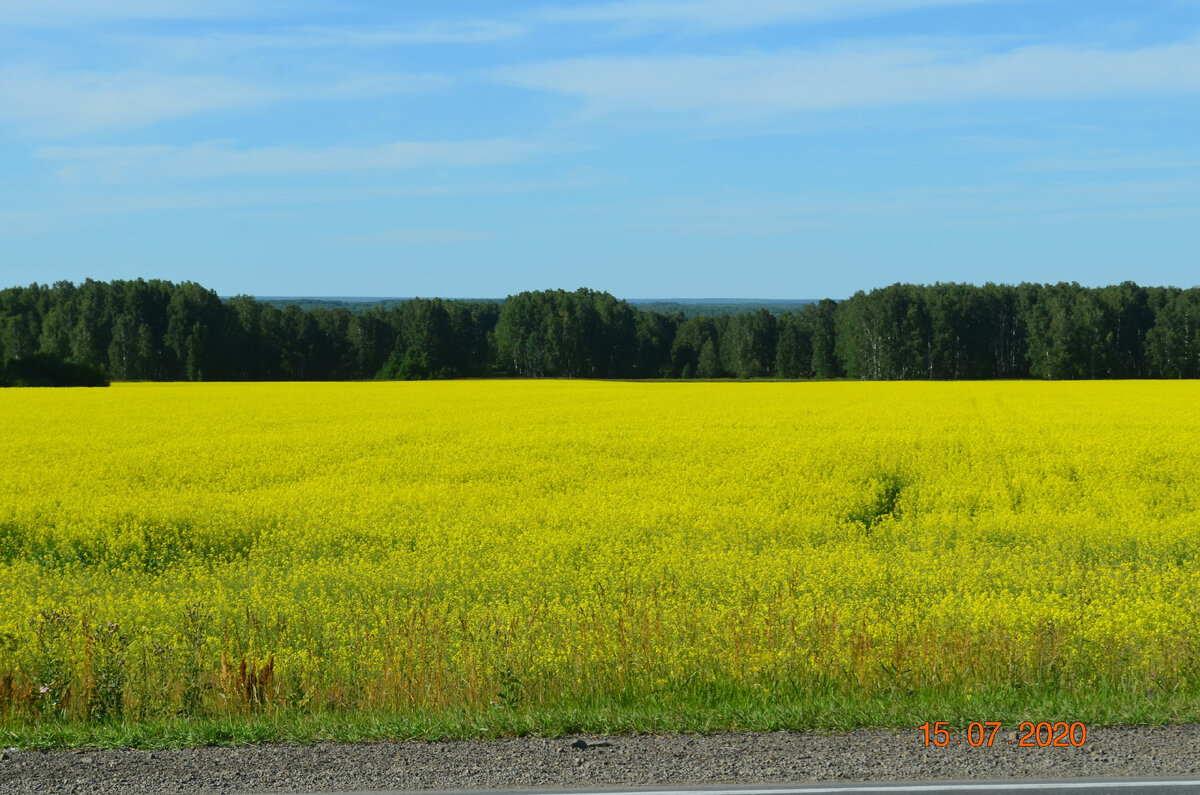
221, 549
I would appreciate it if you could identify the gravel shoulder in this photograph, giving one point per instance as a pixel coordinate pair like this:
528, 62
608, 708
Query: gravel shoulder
628, 760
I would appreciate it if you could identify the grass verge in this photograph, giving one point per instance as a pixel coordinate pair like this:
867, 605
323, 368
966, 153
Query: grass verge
822, 712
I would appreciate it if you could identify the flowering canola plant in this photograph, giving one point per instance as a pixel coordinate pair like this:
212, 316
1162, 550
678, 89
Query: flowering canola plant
208, 549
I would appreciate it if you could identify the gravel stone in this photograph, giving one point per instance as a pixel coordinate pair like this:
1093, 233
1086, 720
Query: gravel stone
643, 760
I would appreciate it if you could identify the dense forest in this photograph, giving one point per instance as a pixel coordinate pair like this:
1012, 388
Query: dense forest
158, 330
685, 306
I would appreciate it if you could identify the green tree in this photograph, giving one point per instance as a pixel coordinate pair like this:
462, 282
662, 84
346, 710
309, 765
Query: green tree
653, 334
821, 317
748, 343
960, 331
197, 326
55, 336
1127, 319
690, 339
794, 346
581, 334
17, 337
127, 354
708, 363
93, 322
370, 338
1173, 342
1062, 325
521, 337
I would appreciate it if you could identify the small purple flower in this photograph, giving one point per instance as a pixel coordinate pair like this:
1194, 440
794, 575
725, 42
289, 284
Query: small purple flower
43, 689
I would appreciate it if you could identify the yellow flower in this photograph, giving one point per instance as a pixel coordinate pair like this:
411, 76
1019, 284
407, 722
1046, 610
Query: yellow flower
477, 542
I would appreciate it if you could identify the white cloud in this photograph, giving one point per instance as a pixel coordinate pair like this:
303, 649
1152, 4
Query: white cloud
225, 45
67, 103
863, 74
734, 14
312, 37
218, 159
1160, 161
60, 213
742, 213
73, 12
422, 235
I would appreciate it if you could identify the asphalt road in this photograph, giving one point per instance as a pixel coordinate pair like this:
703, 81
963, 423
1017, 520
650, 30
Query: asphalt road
1131, 759
1021, 787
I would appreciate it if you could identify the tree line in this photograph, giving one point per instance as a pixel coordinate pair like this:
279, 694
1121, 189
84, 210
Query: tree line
159, 330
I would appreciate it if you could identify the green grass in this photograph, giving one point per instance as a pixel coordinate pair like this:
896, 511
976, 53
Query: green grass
832, 711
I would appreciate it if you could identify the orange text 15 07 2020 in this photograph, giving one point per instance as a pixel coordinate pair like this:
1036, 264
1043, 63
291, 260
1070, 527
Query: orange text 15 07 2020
1028, 735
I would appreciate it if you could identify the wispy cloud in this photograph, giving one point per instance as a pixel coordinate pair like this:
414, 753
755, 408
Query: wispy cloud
861, 74
422, 235
218, 159
312, 37
316, 37
1160, 161
79, 12
63, 103
641, 15
67, 103
23, 216
742, 213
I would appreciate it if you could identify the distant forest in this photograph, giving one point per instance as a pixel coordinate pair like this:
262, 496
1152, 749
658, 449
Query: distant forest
688, 307
158, 330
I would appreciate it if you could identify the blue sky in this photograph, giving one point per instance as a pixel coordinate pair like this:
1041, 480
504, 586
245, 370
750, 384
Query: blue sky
651, 148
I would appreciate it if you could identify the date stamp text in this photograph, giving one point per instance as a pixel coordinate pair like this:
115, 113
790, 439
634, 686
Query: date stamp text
1028, 734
